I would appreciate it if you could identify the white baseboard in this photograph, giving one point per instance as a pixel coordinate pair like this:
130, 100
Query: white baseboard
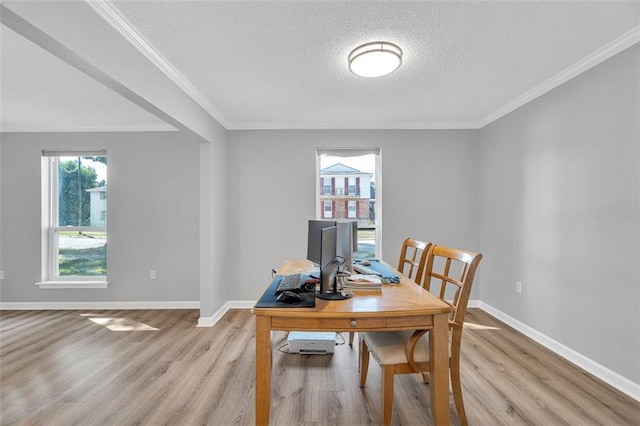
603, 373
232, 304
84, 306
473, 304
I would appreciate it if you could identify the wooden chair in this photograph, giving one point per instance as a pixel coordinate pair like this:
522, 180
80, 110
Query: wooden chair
407, 265
403, 352
413, 256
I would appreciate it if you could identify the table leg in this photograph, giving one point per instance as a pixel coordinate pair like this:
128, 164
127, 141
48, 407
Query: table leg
263, 369
439, 355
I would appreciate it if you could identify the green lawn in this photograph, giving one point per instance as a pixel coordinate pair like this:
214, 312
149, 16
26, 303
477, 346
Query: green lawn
74, 259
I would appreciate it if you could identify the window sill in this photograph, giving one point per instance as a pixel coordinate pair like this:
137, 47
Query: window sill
73, 284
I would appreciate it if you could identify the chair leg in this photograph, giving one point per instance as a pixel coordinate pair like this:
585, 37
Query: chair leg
364, 362
425, 377
456, 388
351, 334
387, 394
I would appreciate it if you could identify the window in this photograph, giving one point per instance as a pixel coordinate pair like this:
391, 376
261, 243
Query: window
352, 210
328, 209
75, 218
339, 186
352, 186
327, 186
355, 172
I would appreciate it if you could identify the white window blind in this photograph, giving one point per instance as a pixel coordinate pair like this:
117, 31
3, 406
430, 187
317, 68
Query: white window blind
347, 152
73, 153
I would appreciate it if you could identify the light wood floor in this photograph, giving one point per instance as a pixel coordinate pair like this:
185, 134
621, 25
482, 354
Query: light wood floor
154, 367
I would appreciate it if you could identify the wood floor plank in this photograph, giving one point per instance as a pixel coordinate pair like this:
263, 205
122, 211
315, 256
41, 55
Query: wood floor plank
155, 367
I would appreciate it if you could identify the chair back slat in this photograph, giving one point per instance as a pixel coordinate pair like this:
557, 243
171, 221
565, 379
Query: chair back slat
453, 280
413, 257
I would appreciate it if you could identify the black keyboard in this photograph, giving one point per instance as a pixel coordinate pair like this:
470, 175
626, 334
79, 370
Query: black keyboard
289, 283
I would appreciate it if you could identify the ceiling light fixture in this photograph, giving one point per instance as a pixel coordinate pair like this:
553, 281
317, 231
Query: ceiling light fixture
375, 59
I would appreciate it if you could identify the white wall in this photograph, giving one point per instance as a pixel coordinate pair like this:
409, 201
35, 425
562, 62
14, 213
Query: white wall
429, 192
559, 211
152, 224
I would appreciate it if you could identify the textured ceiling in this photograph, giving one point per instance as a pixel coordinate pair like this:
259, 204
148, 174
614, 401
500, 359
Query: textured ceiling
267, 64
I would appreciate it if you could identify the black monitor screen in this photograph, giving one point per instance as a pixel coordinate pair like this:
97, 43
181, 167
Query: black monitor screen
314, 240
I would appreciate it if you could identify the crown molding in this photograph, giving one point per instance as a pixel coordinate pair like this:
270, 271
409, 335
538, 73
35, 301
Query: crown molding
156, 127
126, 29
621, 43
353, 126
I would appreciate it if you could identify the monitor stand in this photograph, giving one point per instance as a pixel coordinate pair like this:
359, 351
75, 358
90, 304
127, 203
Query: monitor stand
333, 296
332, 293
329, 283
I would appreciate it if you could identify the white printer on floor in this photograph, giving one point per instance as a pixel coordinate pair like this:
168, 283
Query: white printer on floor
311, 342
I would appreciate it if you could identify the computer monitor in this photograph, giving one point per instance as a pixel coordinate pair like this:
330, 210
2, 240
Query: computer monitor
328, 279
315, 245
321, 249
328, 238
347, 243
330, 269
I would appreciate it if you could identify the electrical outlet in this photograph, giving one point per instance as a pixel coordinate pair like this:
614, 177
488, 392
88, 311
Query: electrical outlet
1, 275
152, 274
518, 287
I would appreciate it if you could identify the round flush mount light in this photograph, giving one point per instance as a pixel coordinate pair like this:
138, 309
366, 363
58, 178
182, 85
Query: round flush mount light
375, 59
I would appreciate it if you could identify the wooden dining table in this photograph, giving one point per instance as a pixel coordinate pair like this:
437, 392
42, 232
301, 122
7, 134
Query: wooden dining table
402, 306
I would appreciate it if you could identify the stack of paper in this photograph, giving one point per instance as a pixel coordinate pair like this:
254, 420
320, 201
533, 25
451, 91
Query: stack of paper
358, 282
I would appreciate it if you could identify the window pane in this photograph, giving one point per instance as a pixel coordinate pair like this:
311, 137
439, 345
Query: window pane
82, 253
82, 187
78, 237
366, 244
354, 183
327, 210
352, 209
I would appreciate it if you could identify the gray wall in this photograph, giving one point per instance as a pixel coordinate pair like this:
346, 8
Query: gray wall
429, 192
213, 234
152, 217
559, 211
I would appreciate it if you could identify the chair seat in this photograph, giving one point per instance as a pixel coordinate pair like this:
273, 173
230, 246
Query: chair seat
388, 347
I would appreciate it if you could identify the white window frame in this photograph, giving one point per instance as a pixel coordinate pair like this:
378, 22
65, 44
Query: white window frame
51, 278
354, 152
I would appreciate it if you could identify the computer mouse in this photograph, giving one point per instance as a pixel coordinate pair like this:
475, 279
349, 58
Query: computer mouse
289, 297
